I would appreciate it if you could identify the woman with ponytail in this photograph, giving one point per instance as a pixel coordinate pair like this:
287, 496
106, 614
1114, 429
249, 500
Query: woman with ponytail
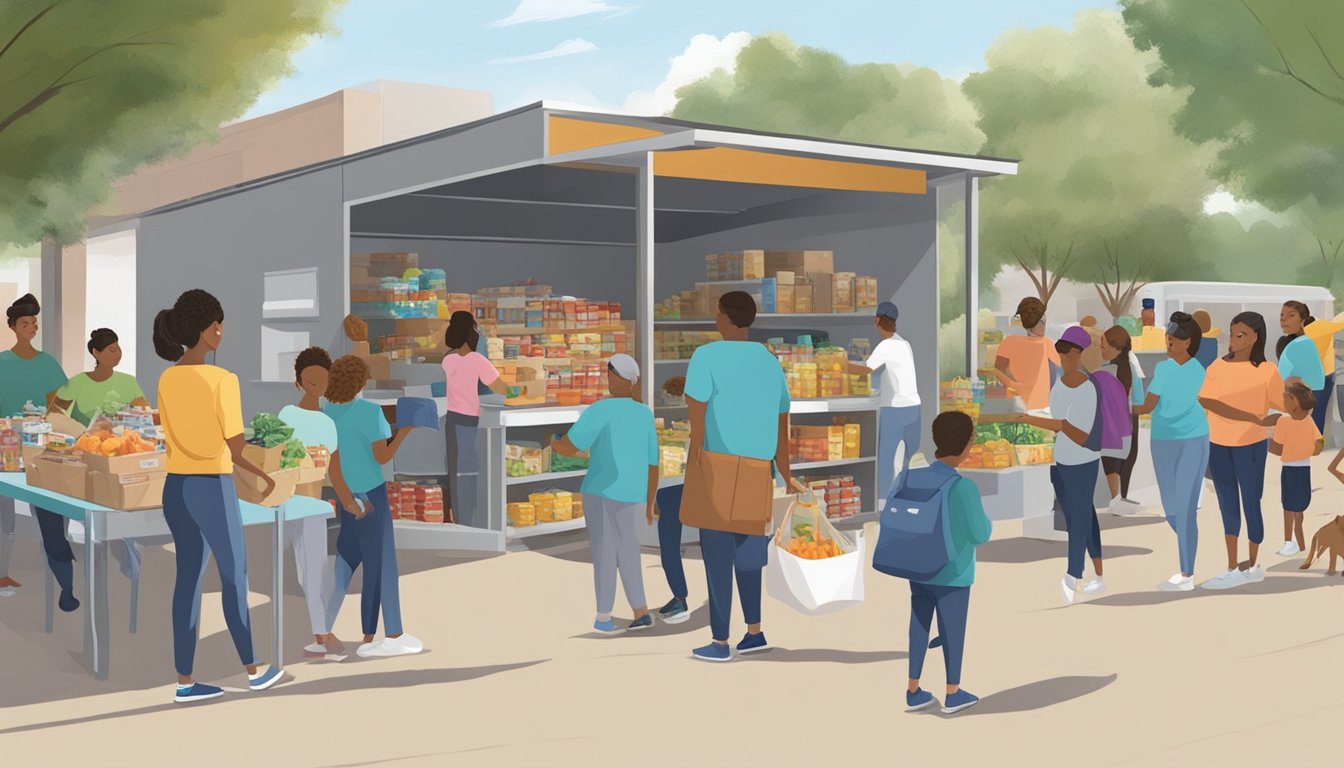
465, 371
1180, 440
27, 375
1116, 349
200, 406
1296, 352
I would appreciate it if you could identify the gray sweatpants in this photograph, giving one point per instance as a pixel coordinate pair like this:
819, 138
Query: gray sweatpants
612, 527
308, 537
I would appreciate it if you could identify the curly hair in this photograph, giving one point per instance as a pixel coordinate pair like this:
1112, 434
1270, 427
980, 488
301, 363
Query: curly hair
349, 375
101, 338
181, 327
312, 356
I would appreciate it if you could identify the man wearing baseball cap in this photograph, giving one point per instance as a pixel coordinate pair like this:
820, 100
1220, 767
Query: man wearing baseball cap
898, 423
622, 445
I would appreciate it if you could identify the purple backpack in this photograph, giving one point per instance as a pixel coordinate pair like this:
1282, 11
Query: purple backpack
1112, 423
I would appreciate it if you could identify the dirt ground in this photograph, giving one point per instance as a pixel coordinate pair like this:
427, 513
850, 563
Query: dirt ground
513, 676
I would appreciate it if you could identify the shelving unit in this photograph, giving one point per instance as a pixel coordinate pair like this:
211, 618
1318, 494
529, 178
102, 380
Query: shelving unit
764, 320
542, 529
545, 477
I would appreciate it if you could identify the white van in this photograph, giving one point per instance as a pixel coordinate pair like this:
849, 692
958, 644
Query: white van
1223, 301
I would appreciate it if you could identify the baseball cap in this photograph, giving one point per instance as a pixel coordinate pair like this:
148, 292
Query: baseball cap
625, 367
1078, 336
888, 310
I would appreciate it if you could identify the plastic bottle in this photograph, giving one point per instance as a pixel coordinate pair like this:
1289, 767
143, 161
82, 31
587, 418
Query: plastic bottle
11, 450
1149, 316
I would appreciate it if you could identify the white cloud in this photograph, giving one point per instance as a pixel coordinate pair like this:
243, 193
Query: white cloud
554, 10
1221, 201
1247, 212
705, 54
567, 48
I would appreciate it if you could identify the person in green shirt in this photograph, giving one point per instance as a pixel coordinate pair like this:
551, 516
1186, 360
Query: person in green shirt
948, 593
27, 375
84, 396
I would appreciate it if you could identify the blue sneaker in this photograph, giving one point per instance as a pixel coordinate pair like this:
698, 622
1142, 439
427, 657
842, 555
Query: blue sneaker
186, 694
643, 622
960, 700
674, 612
713, 652
918, 700
67, 601
265, 679
753, 643
607, 627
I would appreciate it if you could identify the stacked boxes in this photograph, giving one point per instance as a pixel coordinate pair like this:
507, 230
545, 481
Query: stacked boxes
782, 282
743, 265
680, 345
522, 514
554, 506
844, 498
828, 443
416, 501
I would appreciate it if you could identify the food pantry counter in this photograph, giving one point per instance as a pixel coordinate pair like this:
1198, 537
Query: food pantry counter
102, 525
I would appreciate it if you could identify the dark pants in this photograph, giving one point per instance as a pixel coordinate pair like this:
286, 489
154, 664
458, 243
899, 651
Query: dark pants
1322, 408
727, 554
951, 605
1127, 468
1239, 480
669, 539
60, 557
203, 516
368, 542
1075, 486
458, 431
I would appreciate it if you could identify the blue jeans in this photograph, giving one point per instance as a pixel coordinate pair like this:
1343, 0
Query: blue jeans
727, 554
669, 539
1239, 480
60, 557
951, 605
203, 516
1322, 409
1180, 466
1075, 485
894, 427
368, 542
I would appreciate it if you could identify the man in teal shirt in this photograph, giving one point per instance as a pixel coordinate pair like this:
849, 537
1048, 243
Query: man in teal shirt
739, 405
949, 592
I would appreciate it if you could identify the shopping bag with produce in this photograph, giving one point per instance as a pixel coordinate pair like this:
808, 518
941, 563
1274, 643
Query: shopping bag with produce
814, 568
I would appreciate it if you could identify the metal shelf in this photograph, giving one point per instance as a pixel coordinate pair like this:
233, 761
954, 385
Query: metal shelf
414, 534
545, 477
542, 529
833, 463
763, 318
814, 405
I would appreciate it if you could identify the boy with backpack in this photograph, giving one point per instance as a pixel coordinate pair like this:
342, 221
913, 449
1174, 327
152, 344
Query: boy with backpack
929, 530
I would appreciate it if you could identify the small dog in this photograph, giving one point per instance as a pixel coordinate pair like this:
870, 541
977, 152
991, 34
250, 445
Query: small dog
1330, 537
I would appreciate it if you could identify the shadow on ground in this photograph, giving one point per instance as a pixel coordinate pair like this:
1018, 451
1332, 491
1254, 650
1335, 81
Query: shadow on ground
1020, 551
828, 656
406, 678
697, 622
1034, 696
1277, 585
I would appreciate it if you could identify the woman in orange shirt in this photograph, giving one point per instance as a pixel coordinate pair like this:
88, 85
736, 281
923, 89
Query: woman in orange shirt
1239, 391
1023, 362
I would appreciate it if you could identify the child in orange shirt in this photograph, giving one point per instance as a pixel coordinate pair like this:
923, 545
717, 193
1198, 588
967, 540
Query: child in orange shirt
1295, 441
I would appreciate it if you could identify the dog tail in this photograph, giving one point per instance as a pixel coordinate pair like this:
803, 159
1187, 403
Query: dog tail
1312, 551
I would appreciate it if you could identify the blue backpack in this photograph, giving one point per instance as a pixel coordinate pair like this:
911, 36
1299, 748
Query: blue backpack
914, 538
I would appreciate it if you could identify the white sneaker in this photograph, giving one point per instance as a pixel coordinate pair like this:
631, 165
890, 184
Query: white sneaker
1228, 579
1254, 575
1177, 583
406, 645
1095, 587
1289, 549
7, 592
1069, 588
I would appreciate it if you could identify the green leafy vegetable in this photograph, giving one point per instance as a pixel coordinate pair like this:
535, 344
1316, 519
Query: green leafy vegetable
293, 454
269, 431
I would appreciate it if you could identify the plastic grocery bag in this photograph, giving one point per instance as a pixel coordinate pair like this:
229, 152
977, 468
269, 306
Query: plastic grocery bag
814, 586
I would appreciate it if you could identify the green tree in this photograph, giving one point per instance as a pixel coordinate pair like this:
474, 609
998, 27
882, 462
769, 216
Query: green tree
1266, 80
91, 90
1102, 167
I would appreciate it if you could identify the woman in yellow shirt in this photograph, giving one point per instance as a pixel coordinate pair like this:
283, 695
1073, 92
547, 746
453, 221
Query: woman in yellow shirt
201, 409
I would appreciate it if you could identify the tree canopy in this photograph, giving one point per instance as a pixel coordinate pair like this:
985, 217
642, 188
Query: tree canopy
91, 90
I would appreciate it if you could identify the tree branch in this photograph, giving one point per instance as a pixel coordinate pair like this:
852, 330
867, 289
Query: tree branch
1324, 55
57, 86
28, 26
1288, 70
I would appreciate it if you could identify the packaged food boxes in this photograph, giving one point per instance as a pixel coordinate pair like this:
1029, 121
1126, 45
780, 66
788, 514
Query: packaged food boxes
142, 490
564, 506
60, 473
522, 514
852, 435
553, 506
252, 488
762, 290
842, 292
799, 262
429, 503
743, 265
865, 292
842, 496
823, 292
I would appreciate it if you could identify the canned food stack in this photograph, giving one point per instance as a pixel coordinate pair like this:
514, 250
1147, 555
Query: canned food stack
843, 497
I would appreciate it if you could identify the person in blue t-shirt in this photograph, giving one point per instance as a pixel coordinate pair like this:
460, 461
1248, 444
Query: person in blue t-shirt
364, 444
622, 446
739, 405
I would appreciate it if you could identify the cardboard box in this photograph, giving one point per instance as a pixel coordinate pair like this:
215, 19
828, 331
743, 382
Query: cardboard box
842, 297
865, 292
59, 473
266, 459
421, 327
136, 463
309, 490
799, 262
142, 490
784, 277
802, 296
250, 487
823, 292
380, 366
784, 299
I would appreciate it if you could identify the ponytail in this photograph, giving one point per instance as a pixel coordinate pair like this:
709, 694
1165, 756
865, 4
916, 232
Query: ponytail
1119, 338
165, 346
1304, 312
179, 328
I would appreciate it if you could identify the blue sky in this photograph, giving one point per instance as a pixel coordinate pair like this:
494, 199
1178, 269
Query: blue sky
613, 48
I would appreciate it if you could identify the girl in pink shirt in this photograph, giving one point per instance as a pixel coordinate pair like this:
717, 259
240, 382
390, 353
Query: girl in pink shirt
463, 370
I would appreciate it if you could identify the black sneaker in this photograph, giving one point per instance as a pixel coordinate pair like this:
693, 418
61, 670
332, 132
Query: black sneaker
674, 612
67, 601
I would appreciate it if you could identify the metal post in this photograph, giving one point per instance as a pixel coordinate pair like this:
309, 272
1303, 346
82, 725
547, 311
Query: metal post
972, 274
52, 289
278, 590
644, 240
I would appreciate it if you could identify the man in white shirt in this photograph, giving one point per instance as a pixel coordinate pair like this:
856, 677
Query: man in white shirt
898, 423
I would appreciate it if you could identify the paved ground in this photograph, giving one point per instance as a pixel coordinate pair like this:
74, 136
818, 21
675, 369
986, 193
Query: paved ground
511, 676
